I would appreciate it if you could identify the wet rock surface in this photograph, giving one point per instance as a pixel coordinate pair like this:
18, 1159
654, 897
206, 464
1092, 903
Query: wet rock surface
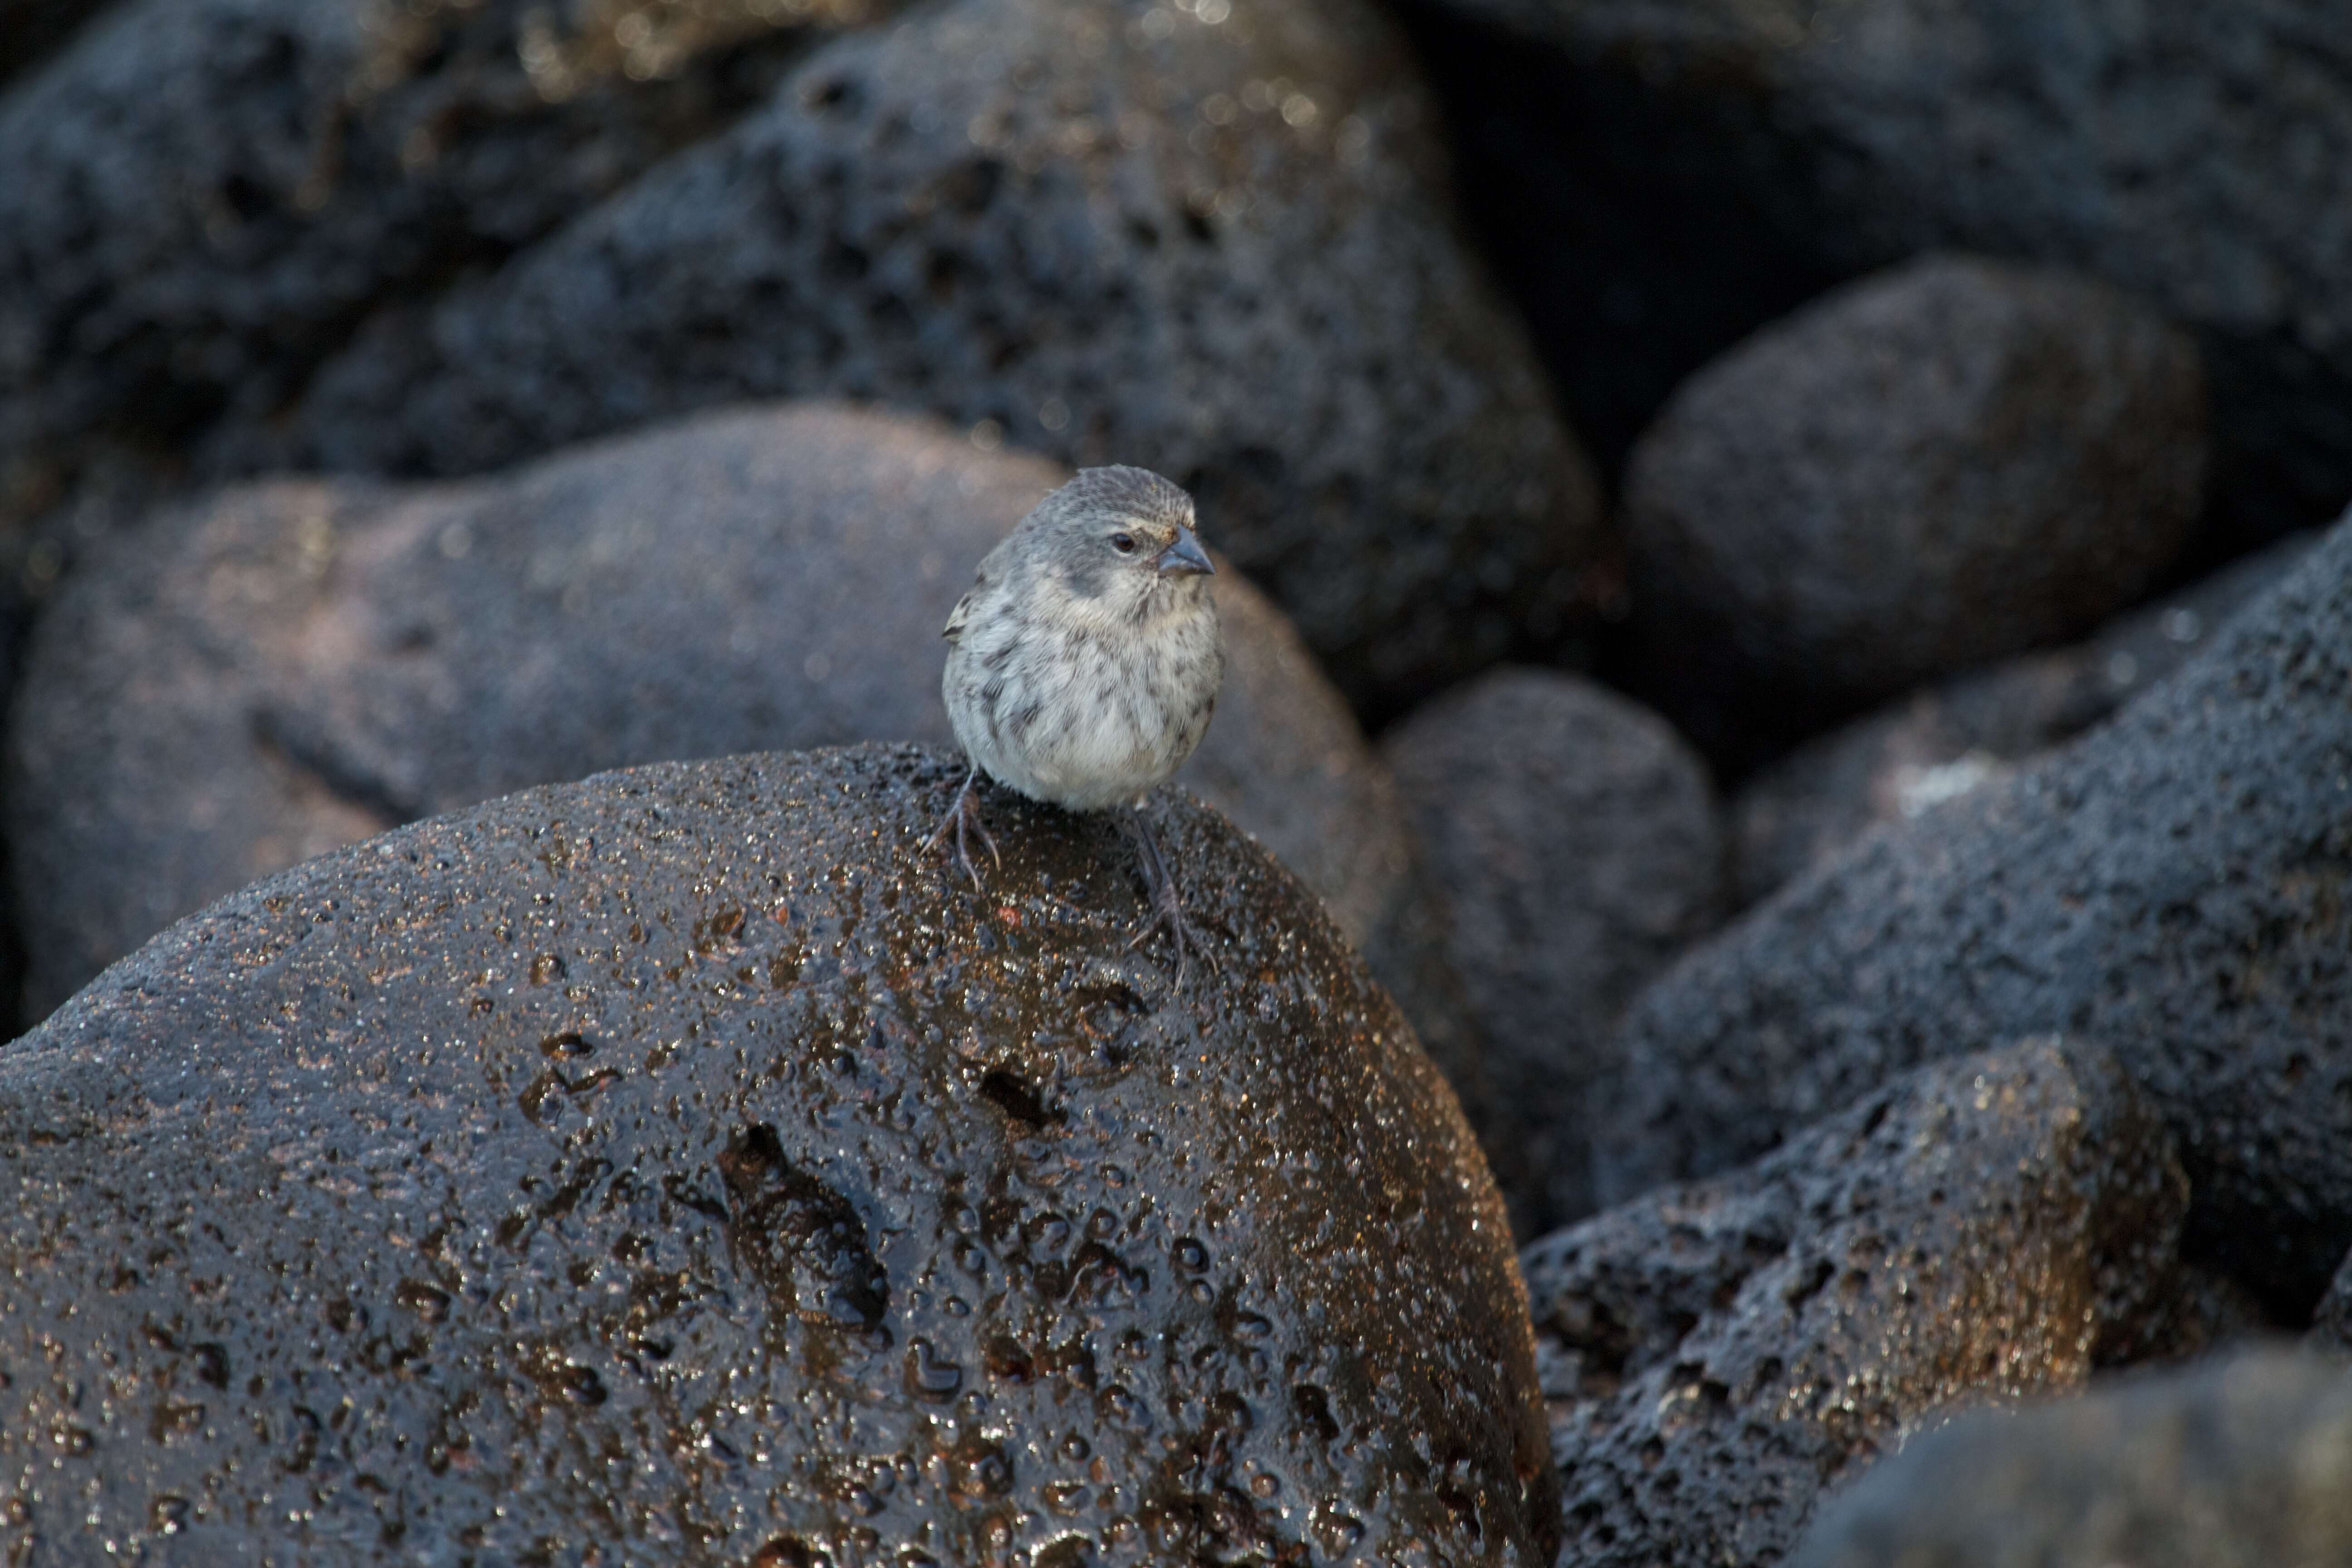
205, 195
1216, 245
1655, 182
1717, 1356
2246, 1461
1938, 466
1577, 847
683, 1162
2174, 883
291, 665
1946, 740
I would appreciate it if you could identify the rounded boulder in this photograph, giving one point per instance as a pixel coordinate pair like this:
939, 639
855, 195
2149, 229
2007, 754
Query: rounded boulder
1576, 847
1945, 463
683, 1163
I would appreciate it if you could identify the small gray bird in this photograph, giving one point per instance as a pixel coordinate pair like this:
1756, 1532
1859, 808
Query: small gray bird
1085, 663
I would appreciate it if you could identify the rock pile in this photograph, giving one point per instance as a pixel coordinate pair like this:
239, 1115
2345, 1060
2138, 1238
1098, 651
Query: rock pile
2176, 883
1878, 897
1719, 1356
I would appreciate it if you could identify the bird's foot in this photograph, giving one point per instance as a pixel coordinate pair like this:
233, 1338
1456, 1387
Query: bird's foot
963, 819
1167, 915
1167, 903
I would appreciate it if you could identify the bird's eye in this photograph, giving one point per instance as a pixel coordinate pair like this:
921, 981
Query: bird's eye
1123, 542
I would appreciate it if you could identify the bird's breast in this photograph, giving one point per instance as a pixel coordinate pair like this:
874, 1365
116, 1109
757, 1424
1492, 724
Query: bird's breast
1086, 718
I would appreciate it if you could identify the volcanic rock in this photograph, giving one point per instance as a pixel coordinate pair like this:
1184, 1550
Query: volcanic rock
1210, 239
1717, 1356
290, 665
2243, 1462
683, 1163
1946, 740
205, 197
1949, 462
1656, 181
2176, 883
1575, 843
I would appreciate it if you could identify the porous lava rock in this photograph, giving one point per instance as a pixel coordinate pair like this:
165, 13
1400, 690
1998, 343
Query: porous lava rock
1576, 846
2241, 1462
1716, 1356
1656, 181
1945, 463
1947, 739
1212, 239
205, 197
683, 1162
290, 665
2176, 883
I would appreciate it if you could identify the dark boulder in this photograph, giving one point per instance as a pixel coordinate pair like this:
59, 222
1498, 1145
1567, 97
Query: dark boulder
683, 1163
1717, 1356
1946, 740
1209, 239
290, 665
1576, 847
205, 197
2177, 883
1656, 181
1936, 467
2242, 1462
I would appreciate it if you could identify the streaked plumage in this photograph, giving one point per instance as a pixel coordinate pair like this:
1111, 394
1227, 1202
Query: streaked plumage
1085, 661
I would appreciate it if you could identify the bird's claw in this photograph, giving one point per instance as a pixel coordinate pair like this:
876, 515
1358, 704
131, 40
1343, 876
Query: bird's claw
1169, 918
963, 816
1167, 907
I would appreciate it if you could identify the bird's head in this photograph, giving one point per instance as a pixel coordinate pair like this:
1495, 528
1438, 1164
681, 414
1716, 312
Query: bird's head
1121, 543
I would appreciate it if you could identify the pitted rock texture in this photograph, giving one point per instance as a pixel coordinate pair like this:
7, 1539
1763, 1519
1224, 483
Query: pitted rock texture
1576, 845
2243, 1462
1946, 740
1719, 1356
1656, 181
290, 665
683, 1163
1938, 466
205, 197
1213, 243
2177, 883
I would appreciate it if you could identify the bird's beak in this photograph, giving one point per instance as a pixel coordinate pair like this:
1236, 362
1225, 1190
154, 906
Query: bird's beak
1184, 556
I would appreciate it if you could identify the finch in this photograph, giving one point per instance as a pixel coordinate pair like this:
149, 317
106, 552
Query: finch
1084, 664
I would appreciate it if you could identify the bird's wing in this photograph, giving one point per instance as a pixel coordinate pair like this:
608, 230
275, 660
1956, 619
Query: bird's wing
961, 613
990, 572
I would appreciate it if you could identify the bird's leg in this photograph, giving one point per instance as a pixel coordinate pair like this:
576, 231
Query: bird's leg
964, 817
1167, 903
